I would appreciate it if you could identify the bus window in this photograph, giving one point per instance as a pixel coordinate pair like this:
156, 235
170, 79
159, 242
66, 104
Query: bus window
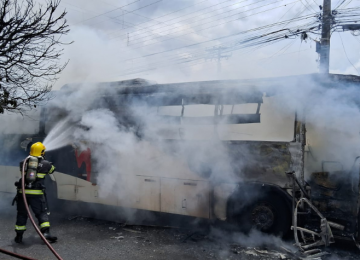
198, 122
169, 110
276, 123
240, 109
167, 122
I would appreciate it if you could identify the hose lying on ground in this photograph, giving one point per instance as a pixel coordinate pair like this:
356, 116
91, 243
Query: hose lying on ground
16, 255
30, 216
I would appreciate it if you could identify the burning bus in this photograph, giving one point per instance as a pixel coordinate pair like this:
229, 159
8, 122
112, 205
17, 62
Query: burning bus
234, 151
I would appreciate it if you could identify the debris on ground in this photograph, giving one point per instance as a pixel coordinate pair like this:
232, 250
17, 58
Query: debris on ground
269, 254
281, 253
118, 238
131, 230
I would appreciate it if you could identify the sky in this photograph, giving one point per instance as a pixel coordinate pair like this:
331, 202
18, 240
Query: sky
125, 39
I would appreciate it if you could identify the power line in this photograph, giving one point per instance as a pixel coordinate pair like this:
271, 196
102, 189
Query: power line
133, 11
116, 20
259, 46
284, 48
286, 53
310, 6
172, 12
191, 13
107, 12
181, 60
260, 43
219, 24
340, 4
151, 19
346, 54
316, 4
172, 32
305, 5
266, 42
221, 38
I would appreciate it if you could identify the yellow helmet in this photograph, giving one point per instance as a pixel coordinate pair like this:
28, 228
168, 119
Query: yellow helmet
37, 149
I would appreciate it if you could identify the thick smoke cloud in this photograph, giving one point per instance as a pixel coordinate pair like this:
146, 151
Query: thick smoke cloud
332, 135
332, 128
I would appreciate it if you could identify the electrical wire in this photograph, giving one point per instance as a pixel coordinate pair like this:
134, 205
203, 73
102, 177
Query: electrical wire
96, 16
219, 24
179, 61
210, 40
284, 48
317, 5
347, 55
200, 24
132, 12
305, 5
341, 18
310, 6
312, 29
179, 10
182, 60
205, 23
118, 21
340, 4
174, 18
347, 3
222, 38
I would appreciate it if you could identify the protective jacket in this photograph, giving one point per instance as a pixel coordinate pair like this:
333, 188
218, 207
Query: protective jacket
35, 198
44, 167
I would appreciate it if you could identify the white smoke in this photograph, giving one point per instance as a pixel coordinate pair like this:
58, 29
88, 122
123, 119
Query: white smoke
333, 131
333, 134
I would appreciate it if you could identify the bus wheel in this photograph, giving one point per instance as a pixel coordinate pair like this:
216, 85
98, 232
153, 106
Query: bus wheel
262, 216
268, 215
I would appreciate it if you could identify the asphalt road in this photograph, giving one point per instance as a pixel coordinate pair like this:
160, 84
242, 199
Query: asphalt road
93, 239
82, 238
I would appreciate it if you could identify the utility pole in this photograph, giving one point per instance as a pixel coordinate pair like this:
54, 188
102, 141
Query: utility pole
325, 37
219, 56
216, 53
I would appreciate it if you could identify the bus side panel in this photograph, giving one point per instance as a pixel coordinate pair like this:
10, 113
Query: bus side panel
86, 192
185, 197
9, 175
147, 193
66, 186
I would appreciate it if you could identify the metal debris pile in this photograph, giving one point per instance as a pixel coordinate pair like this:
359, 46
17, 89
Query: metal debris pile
281, 253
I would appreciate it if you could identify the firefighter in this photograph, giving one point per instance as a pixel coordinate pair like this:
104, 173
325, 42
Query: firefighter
36, 169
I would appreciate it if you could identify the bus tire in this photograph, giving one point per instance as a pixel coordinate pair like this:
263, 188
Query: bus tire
268, 214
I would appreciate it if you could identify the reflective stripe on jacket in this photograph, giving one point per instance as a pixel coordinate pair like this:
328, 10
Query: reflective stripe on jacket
32, 192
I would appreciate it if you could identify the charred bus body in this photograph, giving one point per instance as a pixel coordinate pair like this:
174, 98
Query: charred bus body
198, 167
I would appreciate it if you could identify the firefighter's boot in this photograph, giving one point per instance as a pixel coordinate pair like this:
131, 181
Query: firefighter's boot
48, 236
19, 236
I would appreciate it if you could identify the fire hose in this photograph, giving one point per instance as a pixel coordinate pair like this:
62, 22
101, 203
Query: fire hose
29, 213
15, 255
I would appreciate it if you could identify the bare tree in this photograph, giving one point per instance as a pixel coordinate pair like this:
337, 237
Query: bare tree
30, 40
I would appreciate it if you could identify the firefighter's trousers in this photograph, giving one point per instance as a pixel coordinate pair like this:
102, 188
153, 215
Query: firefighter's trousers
38, 205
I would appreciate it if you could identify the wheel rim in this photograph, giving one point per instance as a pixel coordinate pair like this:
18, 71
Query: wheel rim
262, 217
